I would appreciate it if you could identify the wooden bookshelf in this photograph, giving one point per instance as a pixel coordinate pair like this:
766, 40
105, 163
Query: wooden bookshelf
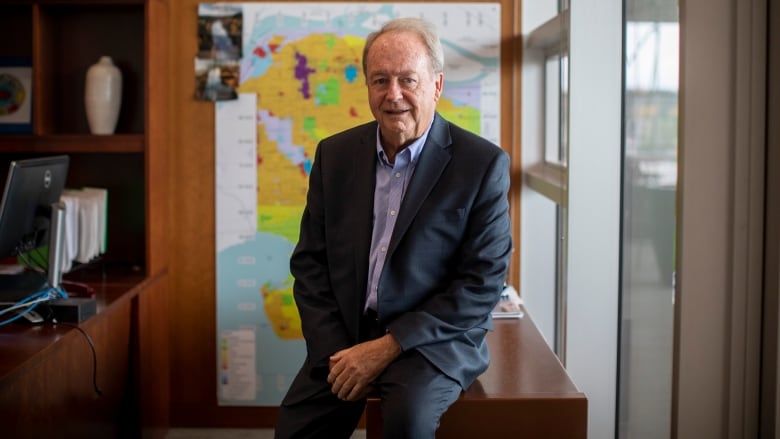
60, 39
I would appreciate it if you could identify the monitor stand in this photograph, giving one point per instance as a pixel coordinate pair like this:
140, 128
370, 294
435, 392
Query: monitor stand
18, 286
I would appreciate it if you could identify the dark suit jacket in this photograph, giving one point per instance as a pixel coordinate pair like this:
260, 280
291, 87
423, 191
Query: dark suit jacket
446, 264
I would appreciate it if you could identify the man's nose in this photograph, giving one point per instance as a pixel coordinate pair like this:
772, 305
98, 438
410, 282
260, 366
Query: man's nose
394, 90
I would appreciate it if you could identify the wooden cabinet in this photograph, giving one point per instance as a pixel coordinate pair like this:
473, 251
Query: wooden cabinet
60, 39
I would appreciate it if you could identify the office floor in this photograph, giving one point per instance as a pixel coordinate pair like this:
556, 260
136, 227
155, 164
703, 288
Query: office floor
232, 433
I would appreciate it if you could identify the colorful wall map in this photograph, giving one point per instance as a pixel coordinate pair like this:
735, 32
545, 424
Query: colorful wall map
302, 80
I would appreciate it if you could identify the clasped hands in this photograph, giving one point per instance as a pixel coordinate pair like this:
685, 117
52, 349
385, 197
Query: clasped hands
352, 370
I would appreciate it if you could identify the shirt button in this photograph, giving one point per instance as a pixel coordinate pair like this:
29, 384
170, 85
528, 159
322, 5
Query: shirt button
392, 213
384, 249
397, 175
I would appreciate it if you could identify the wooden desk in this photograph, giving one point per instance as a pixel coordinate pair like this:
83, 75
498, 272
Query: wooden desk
525, 393
46, 370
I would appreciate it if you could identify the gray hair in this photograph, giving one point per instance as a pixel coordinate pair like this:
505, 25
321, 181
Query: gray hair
423, 29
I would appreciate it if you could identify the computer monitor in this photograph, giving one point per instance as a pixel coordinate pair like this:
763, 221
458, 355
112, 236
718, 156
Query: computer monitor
31, 187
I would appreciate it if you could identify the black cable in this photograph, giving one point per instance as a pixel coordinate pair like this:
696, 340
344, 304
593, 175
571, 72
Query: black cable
98, 392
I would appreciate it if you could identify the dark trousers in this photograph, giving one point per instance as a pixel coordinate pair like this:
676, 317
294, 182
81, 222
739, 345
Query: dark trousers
414, 395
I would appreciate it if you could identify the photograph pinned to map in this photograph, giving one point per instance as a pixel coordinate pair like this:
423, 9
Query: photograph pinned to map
216, 80
219, 31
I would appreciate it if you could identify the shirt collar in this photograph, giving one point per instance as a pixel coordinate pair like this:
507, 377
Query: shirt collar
414, 149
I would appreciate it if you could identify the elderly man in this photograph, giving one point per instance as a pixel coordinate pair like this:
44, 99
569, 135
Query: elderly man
403, 251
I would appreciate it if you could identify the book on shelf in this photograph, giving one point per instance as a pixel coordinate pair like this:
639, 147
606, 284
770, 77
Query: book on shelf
509, 306
85, 224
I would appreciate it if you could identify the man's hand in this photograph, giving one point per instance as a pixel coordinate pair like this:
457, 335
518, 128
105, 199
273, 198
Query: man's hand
352, 370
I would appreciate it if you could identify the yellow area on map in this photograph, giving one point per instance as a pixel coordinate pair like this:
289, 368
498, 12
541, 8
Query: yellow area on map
333, 104
280, 308
464, 116
280, 220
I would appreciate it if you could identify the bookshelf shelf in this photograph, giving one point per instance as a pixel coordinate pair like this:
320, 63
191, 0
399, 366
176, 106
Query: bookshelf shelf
72, 143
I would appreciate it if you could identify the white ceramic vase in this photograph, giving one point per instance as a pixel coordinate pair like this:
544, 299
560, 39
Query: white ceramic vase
103, 96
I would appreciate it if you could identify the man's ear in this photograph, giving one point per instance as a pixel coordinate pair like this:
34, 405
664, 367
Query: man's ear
439, 85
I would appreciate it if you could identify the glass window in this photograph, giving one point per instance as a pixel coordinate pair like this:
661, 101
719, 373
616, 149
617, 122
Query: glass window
556, 84
649, 193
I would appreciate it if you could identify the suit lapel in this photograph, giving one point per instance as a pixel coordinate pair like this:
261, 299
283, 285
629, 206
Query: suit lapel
433, 159
364, 170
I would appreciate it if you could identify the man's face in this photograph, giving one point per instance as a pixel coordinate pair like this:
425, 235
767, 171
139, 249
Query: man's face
402, 88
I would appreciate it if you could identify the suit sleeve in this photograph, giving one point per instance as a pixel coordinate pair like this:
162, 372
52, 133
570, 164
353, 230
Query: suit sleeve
322, 325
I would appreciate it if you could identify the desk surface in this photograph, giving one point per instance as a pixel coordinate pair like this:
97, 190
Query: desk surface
21, 343
521, 365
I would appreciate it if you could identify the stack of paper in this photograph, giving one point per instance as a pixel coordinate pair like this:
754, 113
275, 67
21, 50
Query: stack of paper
509, 306
85, 225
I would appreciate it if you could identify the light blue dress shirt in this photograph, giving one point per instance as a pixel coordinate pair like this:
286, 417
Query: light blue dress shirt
392, 179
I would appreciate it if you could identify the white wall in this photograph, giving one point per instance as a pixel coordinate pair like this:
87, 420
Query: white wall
594, 206
537, 213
